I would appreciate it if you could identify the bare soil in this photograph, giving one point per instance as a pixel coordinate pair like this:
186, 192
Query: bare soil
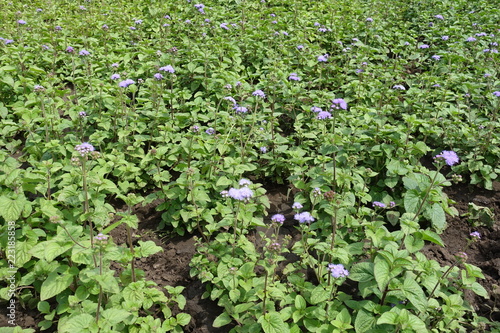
171, 266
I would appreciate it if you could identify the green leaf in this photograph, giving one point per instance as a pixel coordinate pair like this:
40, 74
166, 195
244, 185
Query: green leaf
78, 323
436, 214
362, 272
183, 319
414, 293
55, 284
382, 273
431, 236
300, 302
479, 290
319, 295
147, 248
271, 322
115, 316
221, 320
411, 201
365, 320
11, 209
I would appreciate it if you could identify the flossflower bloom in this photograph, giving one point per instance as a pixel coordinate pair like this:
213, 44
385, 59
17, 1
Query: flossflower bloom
304, 217
449, 156
338, 271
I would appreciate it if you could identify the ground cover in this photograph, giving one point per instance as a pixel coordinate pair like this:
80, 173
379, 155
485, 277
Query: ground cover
249, 166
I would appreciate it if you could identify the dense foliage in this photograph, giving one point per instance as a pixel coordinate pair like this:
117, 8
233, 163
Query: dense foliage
365, 109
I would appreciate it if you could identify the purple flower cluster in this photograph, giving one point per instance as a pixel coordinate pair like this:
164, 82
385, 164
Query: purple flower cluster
259, 93
278, 218
167, 68
475, 235
84, 148
323, 58
496, 93
294, 77
449, 156
240, 109
210, 131
339, 103
398, 87
101, 237
297, 206
126, 83
379, 204
84, 53
242, 194
324, 115
338, 271
158, 76
304, 217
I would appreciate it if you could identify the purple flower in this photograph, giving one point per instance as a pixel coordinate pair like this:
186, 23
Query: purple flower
210, 131
339, 103
83, 8
39, 10
82, 114
369, 19
57, 28
126, 83
398, 87
263, 150
105, 27
300, 47
471, 39
115, 76
316, 109
436, 57
242, 194
278, 218
439, 17
496, 93
323, 58
138, 22
84, 53
115, 65
69, 49
22, 22
324, 115
8, 41
229, 98
85, 148
259, 93
45, 47
224, 26
297, 206
195, 129
304, 217
445, 37
338, 271
294, 77
392, 204
487, 75
101, 237
449, 156
481, 34
167, 68
244, 182
379, 204
240, 109
475, 235
132, 28
38, 88
437, 85
423, 46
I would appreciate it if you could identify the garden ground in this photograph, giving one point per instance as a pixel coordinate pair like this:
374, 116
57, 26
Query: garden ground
171, 266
